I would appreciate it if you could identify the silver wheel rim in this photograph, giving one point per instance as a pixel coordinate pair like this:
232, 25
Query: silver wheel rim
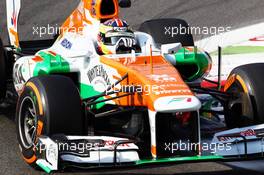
27, 122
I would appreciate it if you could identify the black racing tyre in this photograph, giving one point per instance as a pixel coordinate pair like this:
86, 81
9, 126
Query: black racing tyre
169, 30
249, 110
2, 71
48, 105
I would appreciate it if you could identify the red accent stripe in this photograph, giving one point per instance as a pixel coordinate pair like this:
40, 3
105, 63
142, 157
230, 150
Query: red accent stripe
119, 23
206, 84
37, 59
261, 38
53, 53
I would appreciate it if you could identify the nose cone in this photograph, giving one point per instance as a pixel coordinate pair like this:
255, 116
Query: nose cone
162, 88
177, 104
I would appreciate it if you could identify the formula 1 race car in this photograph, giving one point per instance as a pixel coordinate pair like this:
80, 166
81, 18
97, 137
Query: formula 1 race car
148, 101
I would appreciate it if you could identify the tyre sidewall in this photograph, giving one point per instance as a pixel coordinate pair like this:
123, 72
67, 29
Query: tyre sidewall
2, 71
252, 78
28, 153
58, 108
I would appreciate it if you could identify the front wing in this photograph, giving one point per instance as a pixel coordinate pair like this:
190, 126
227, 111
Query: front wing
89, 152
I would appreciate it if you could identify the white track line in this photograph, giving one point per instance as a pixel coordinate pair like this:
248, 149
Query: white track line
229, 62
236, 36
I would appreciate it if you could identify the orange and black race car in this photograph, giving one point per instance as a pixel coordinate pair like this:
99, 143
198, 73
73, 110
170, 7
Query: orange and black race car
101, 94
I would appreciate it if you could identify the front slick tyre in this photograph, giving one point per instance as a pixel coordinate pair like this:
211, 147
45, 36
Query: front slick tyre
47, 106
246, 79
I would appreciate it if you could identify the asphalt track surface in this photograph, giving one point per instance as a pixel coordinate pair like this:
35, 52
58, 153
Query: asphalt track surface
201, 13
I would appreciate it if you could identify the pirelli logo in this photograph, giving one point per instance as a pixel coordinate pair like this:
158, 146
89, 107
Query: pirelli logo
229, 82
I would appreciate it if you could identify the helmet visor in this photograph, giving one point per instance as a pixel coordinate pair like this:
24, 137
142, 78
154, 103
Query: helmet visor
112, 38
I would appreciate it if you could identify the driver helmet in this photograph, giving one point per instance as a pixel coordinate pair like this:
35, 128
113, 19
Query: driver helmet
115, 37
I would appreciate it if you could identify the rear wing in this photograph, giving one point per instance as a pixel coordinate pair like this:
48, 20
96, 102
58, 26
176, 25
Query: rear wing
12, 13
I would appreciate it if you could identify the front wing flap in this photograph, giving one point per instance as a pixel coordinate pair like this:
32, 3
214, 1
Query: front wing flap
86, 150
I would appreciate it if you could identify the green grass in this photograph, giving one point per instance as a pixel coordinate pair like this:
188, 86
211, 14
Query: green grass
231, 50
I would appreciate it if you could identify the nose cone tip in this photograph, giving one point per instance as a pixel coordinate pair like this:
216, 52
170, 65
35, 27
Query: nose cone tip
177, 104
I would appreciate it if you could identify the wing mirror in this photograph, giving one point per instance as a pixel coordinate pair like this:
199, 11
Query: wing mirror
170, 48
168, 51
125, 3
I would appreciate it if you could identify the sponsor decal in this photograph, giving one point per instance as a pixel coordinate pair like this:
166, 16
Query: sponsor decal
175, 86
111, 143
173, 91
229, 82
98, 71
162, 78
14, 18
246, 133
176, 100
18, 77
66, 44
120, 29
180, 99
223, 138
